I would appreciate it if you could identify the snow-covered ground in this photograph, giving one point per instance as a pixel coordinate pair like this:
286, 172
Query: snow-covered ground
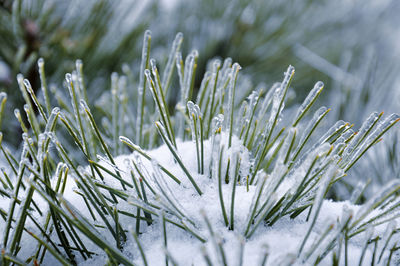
281, 241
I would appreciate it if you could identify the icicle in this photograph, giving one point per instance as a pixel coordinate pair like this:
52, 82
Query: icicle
68, 78
347, 215
241, 118
27, 139
203, 91
142, 85
267, 101
225, 70
52, 119
181, 74
107, 161
346, 135
124, 119
379, 130
17, 115
216, 65
84, 105
155, 93
29, 142
217, 123
145, 55
371, 120
197, 111
215, 141
286, 144
140, 165
130, 143
76, 84
20, 80
31, 119
147, 74
141, 204
24, 152
390, 120
249, 125
192, 116
288, 76
337, 126
167, 75
308, 102
41, 153
225, 74
3, 96
318, 115
153, 67
338, 145
253, 98
28, 87
79, 72
301, 167
355, 195
216, 127
159, 100
188, 76
186, 82
115, 110
43, 83
231, 100
274, 111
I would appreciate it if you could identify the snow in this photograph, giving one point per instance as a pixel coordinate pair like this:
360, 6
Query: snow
281, 241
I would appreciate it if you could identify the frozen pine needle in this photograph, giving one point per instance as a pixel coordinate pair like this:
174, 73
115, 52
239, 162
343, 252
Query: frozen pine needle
251, 186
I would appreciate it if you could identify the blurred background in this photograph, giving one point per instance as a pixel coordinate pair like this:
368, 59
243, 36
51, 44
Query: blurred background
352, 46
